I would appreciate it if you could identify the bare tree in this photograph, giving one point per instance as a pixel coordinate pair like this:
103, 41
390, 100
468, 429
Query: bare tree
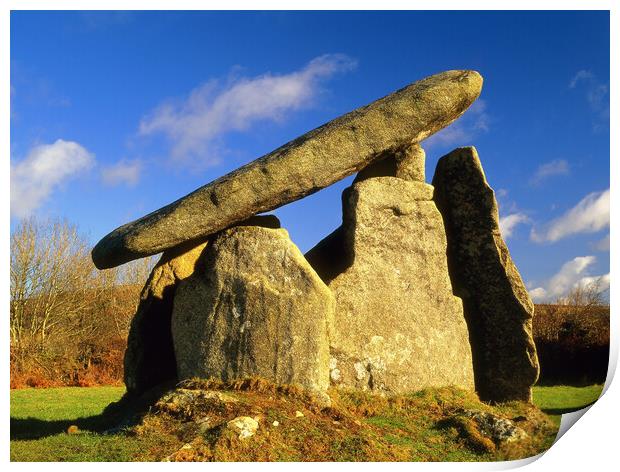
63, 311
589, 296
50, 276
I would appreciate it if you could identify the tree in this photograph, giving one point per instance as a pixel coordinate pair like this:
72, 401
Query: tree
50, 278
588, 296
63, 311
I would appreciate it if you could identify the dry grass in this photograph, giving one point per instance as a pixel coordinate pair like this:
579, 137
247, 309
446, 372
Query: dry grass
358, 426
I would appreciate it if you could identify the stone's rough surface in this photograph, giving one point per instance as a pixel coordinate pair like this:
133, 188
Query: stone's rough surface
397, 326
253, 307
303, 166
497, 428
245, 426
328, 257
190, 404
497, 306
406, 163
149, 358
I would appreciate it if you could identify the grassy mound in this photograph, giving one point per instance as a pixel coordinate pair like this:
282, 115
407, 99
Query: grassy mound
429, 425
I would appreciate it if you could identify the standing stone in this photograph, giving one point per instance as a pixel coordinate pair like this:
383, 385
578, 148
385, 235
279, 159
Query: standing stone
497, 306
149, 358
254, 307
308, 163
406, 163
397, 325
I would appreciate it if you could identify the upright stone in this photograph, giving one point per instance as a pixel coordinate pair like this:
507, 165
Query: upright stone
309, 163
497, 306
254, 307
149, 358
406, 163
397, 325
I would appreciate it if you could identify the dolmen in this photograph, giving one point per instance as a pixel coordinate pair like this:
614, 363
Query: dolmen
415, 289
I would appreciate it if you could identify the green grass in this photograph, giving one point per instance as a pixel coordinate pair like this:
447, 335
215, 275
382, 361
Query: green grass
557, 400
40, 418
62, 403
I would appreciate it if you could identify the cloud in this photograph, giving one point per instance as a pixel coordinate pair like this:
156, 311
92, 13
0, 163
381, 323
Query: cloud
28, 89
123, 172
602, 245
601, 282
501, 193
507, 224
460, 133
590, 215
572, 274
582, 75
211, 110
538, 294
510, 214
43, 170
549, 169
597, 95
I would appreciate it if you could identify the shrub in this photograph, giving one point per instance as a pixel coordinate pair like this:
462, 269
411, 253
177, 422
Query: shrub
68, 321
572, 338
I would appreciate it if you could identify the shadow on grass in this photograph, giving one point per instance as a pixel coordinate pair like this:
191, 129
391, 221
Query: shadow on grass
561, 411
124, 413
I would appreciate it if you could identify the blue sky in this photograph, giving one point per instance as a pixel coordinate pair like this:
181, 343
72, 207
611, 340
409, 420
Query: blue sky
115, 114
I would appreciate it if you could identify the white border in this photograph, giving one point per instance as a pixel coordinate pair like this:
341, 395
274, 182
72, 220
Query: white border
590, 446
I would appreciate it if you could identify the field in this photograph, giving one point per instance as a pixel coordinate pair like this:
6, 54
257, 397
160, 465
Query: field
556, 400
40, 419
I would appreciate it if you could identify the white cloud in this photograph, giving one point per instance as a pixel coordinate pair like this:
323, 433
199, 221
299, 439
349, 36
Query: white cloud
194, 124
501, 193
602, 245
582, 75
590, 215
601, 282
45, 168
572, 274
460, 133
507, 224
549, 169
123, 172
538, 294
597, 95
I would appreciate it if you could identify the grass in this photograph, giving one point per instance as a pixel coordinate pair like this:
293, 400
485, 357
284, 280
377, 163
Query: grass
62, 403
358, 426
557, 400
40, 419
